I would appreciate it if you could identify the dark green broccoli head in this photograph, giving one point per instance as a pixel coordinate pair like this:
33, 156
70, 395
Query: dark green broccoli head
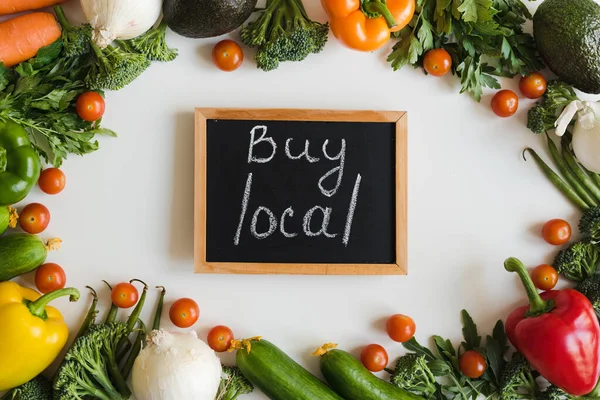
578, 261
233, 384
114, 68
590, 288
153, 44
589, 224
542, 116
39, 388
76, 40
554, 393
517, 381
413, 374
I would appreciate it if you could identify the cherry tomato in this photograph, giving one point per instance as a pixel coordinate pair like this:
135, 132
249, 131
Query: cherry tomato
90, 106
374, 357
533, 86
437, 62
227, 55
34, 218
400, 327
505, 103
556, 232
544, 277
184, 313
124, 295
52, 181
50, 277
219, 338
472, 364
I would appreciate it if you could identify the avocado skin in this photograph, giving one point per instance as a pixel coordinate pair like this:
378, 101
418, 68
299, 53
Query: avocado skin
567, 34
206, 18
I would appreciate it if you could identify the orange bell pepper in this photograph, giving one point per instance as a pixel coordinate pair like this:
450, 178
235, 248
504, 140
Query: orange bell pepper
367, 25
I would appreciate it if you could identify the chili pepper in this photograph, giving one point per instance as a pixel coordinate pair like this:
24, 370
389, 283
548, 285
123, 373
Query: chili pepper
366, 25
558, 333
19, 164
32, 333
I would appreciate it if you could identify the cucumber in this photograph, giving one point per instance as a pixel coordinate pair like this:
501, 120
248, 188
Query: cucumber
278, 376
351, 380
8, 218
22, 253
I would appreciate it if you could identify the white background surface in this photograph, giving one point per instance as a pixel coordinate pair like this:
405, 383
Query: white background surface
127, 210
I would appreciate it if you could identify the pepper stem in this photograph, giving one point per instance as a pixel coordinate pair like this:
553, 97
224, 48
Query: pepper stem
38, 307
3, 160
379, 8
537, 305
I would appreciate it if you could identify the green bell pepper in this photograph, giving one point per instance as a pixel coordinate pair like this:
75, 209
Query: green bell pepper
20, 165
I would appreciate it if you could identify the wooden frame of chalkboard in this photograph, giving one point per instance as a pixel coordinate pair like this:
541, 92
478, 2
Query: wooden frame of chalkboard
202, 266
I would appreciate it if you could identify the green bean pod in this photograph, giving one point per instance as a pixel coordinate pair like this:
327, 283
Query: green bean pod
579, 173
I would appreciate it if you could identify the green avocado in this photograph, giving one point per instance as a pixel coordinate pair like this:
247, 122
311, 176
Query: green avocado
567, 33
206, 18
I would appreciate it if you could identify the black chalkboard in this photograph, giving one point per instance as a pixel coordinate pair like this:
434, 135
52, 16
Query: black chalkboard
300, 192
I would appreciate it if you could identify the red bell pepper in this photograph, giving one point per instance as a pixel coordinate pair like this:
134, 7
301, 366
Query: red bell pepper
558, 333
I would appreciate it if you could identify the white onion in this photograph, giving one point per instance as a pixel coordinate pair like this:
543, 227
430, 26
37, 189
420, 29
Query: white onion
120, 19
586, 133
176, 366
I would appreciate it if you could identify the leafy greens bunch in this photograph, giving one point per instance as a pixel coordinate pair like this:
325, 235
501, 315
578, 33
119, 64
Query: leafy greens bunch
485, 39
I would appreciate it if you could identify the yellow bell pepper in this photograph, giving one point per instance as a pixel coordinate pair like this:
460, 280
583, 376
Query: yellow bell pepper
32, 334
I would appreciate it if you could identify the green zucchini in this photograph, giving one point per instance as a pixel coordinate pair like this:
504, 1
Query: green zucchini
351, 380
278, 376
8, 218
22, 253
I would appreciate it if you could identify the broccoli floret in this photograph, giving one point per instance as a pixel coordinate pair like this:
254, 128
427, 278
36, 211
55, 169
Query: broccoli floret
39, 388
76, 40
590, 288
578, 261
413, 374
554, 393
90, 364
284, 32
233, 384
517, 381
589, 224
153, 44
115, 68
542, 116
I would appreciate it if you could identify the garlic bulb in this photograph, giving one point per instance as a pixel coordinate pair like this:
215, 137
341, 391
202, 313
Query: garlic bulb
120, 19
586, 134
176, 366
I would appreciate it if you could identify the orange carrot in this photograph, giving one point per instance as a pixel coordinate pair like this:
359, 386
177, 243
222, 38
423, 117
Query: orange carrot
15, 6
23, 36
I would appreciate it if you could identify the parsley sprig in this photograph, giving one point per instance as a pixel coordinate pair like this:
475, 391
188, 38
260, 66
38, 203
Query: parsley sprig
485, 39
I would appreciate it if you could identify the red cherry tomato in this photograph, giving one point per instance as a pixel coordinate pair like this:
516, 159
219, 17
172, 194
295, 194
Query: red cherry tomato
400, 327
227, 55
472, 364
533, 86
124, 295
90, 106
34, 218
544, 277
184, 313
556, 232
437, 62
52, 181
50, 277
505, 103
219, 338
374, 357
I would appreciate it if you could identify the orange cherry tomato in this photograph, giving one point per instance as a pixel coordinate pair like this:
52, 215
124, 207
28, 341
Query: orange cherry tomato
219, 338
544, 277
52, 181
227, 55
400, 328
90, 106
437, 62
555, 232
184, 313
505, 103
472, 364
50, 277
124, 295
533, 86
374, 357
34, 218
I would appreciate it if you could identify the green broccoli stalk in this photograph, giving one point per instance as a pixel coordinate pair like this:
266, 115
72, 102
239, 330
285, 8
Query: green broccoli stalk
153, 44
517, 381
589, 224
590, 288
413, 374
114, 68
76, 40
578, 261
542, 116
284, 32
39, 388
233, 384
